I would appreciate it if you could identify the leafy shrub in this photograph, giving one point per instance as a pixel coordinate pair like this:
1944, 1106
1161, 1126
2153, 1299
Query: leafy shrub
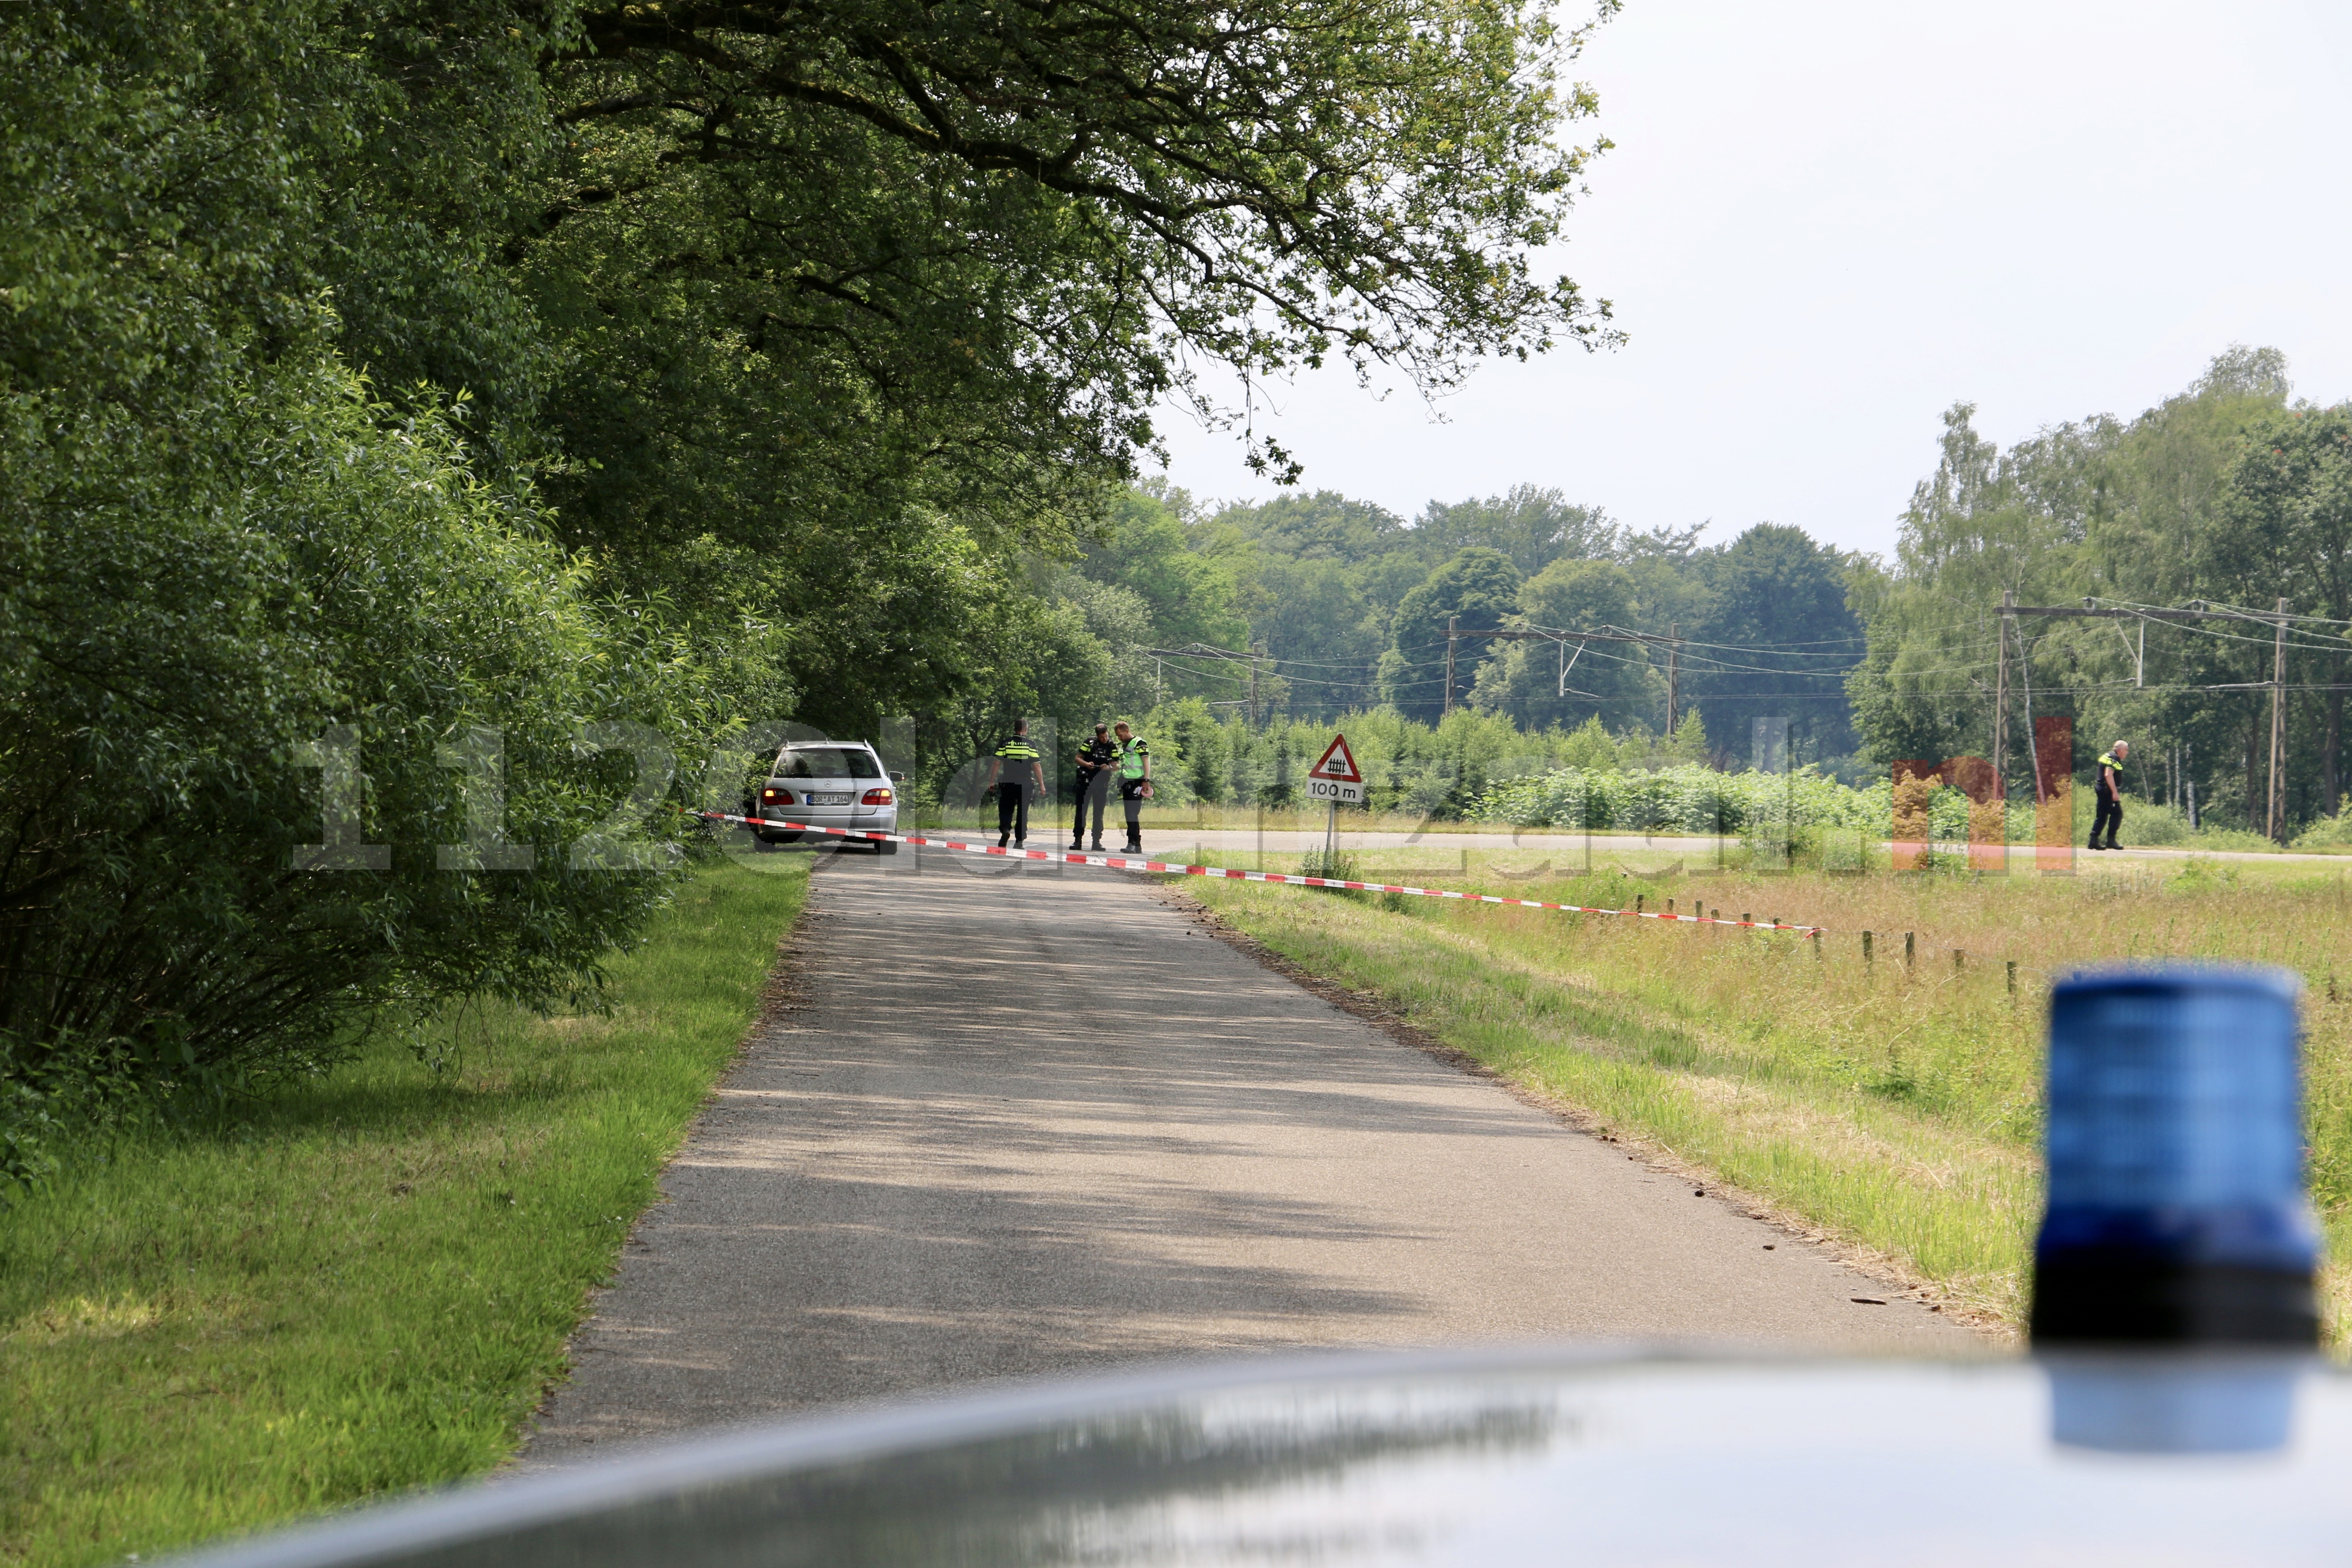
1694, 799
1337, 864
174, 646
2327, 832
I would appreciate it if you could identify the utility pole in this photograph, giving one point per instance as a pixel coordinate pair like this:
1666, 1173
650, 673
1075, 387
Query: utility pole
1674, 671
2278, 723
1253, 707
2000, 689
2025, 689
1453, 631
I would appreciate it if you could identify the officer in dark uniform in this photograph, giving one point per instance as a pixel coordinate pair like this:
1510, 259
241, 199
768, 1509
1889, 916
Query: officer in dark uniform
2109, 790
1096, 762
1017, 773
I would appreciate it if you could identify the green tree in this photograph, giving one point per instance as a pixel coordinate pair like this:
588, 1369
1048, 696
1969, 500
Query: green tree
1536, 684
1271, 183
1328, 637
1534, 527
1323, 526
817, 278
2289, 524
1776, 641
1479, 587
1190, 598
1325, 573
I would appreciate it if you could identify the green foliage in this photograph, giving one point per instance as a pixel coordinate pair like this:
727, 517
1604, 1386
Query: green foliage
1189, 597
346, 572
824, 283
1536, 683
1350, 601
1534, 527
1336, 866
1778, 601
1479, 587
1694, 799
1199, 743
1180, 165
218, 545
2332, 832
1409, 768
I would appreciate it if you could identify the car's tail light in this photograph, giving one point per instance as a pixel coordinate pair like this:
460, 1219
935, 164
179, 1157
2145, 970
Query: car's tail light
878, 797
775, 797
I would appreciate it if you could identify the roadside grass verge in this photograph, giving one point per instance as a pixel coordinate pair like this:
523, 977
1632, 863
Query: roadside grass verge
359, 1284
1896, 1105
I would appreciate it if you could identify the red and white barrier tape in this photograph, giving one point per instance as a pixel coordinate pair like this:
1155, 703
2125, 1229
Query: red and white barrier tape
1121, 863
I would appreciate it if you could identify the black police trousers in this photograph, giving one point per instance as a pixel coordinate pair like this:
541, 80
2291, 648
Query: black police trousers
2109, 816
1013, 810
1093, 791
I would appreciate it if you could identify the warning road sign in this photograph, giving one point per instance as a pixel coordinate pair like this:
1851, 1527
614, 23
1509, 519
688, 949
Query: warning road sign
1338, 763
1336, 777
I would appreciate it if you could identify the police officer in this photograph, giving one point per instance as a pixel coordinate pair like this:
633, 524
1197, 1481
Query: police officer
1017, 775
2109, 790
1134, 781
1096, 761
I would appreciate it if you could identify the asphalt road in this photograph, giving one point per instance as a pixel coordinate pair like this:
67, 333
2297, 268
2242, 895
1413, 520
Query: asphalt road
1443, 851
1030, 1119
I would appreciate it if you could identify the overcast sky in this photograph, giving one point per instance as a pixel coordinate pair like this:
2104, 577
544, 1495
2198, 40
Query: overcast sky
1824, 221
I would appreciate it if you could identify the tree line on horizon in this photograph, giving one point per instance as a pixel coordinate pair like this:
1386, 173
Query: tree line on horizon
1345, 606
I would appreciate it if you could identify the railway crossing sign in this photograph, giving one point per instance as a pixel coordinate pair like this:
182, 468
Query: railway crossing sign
1336, 778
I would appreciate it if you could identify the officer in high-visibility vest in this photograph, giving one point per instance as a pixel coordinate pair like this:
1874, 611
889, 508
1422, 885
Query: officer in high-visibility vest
1018, 776
2109, 790
1134, 781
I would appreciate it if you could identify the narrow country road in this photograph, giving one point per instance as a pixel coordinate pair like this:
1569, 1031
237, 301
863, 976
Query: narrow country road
1030, 1119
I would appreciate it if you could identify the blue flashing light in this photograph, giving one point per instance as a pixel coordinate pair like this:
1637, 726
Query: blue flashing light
2175, 1156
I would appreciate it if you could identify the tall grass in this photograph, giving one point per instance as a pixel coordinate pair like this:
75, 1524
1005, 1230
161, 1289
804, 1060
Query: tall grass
362, 1283
1896, 1103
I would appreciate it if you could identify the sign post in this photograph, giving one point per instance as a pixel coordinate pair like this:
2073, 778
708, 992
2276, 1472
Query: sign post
1334, 779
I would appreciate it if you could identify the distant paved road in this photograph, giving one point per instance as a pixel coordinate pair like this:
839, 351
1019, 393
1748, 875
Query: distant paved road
1441, 851
1034, 1121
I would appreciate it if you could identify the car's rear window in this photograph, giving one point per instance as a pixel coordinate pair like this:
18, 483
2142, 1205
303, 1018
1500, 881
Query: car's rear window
828, 763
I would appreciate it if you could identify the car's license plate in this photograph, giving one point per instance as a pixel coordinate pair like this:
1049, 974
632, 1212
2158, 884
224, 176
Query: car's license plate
828, 800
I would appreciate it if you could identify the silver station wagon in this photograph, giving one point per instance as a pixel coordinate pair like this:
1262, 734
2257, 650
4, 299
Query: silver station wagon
829, 783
